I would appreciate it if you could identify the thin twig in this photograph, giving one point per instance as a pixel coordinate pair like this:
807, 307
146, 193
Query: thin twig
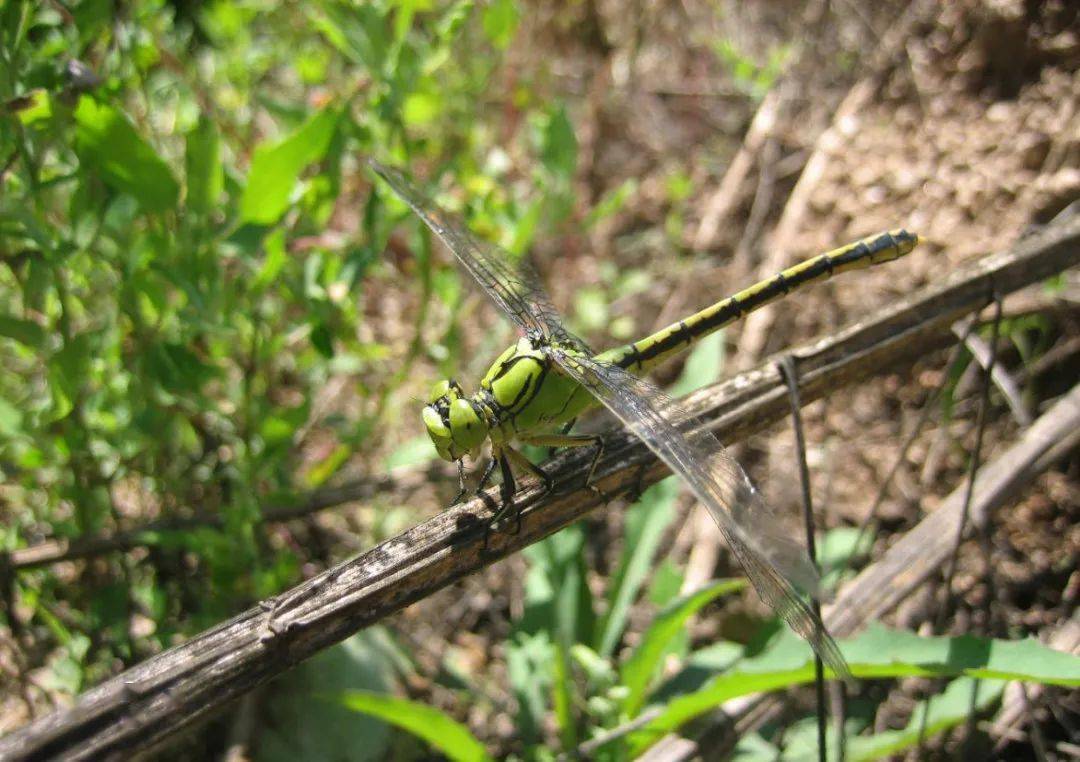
723, 200
1006, 384
790, 372
973, 468
901, 456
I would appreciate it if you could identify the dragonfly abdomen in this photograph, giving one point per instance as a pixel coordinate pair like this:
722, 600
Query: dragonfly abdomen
640, 356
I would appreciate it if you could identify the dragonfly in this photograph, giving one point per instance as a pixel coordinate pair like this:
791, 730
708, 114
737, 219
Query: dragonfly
539, 386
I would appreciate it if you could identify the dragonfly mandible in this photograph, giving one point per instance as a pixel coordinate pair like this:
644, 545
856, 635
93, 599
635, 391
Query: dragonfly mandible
549, 377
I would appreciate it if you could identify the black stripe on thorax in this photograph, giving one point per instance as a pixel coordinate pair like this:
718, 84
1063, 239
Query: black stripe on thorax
528, 390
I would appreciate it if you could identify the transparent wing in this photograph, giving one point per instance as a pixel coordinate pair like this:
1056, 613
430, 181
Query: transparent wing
777, 566
774, 563
515, 288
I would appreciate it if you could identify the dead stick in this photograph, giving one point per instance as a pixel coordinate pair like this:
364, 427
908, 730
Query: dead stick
723, 200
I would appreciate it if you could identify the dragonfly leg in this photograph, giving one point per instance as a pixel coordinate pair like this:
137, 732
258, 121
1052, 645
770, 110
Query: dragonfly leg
504, 456
485, 477
462, 489
574, 440
506, 489
525, 464
638, 487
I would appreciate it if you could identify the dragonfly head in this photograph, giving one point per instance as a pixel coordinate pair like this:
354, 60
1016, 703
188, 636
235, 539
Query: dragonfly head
453, 421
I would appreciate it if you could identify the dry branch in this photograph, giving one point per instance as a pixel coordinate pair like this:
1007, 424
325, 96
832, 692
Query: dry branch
922, 551
726, 196
148, 703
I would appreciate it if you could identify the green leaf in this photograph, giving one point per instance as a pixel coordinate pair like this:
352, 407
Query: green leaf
637, 671
612, 202
323, 339
597, 669
205, 178
645, 525
107, 143
500, 22
412, 452
591, 308
837, 547
703, 366
529, 660
328, 466
276, 167
68, 370
421, 108
358, 31
877, 653
275, 430
25, 332
443, 733
562, 700
558, 150
36, 106
952, 706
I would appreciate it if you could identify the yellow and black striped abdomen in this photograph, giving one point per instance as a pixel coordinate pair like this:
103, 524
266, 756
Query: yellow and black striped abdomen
642, 355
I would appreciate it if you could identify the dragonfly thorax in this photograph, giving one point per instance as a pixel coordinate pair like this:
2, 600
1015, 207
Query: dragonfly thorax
521, 394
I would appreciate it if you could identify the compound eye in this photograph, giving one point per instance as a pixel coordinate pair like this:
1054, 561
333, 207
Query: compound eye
466, 425
438, 391
434, 423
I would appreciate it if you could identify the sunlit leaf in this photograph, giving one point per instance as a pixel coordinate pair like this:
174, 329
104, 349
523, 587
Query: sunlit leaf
33, 108
500, 22
638, 671
421, 108
323, 470
108, 144
879, 652
276, 167
433, 726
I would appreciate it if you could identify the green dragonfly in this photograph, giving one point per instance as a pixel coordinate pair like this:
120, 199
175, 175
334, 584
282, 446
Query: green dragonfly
539, 386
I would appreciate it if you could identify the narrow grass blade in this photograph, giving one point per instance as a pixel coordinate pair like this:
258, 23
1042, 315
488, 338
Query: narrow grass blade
443, 733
